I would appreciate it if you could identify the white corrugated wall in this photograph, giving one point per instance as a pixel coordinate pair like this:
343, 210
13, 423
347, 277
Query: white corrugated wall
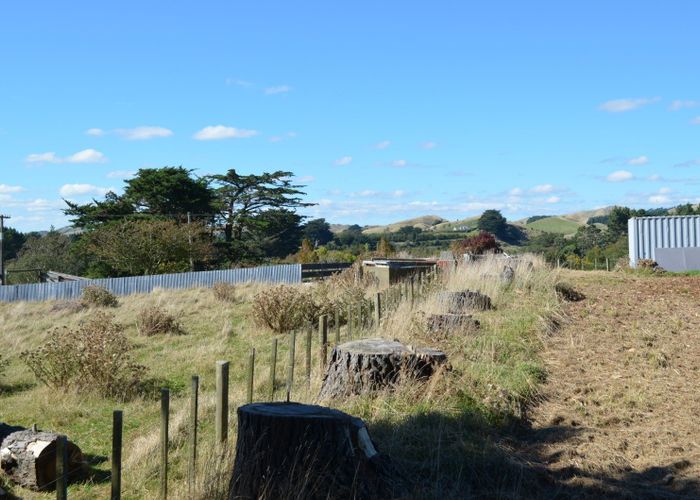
646, 234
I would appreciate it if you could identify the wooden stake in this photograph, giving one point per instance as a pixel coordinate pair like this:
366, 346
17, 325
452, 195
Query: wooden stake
61, 466
309, 333
221, 401
350, 320
164, 420
290, 367
194, 410
337, 326
117, 418
323, 331
251, 375
273, 368
378, 309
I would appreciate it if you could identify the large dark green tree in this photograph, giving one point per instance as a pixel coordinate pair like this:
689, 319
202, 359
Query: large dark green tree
169, 192
318, 232
493, 222
242, 199
12, 242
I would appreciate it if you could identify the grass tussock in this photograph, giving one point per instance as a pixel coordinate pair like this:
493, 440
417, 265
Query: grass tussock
156, 320
225, 292
97, 296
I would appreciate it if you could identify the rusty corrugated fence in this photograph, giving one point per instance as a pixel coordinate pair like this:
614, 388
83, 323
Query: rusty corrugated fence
288, 273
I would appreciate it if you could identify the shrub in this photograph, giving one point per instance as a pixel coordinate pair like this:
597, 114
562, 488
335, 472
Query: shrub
477, 245
154, 320
568, 293
95, 357
225, 292
283, 308
97, 296
649, 265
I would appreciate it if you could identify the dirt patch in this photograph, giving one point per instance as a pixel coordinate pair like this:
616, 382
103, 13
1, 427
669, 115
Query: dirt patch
620, 414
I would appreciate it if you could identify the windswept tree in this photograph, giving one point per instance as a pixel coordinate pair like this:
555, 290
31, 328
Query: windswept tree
318, 231
242, 199
492, 221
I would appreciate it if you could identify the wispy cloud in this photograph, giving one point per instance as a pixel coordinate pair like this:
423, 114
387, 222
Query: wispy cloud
661, 197
217, 132
689, 163
622, 105
84, 156
82, 190
279, 138
542, 188
382, 145
553, 199
429, 145
121, 174
5, 189
95, 132
639, 160
239, 82
695, 121
345, 160
278, 89
620, 176
305, 178
677, 105
399, 163
143, 133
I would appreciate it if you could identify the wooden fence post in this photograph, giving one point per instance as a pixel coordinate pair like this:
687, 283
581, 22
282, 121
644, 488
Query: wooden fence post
323, 330
607, 264
411, 292
194, 410
117, 425
309, 333
221, 401
378, 309
273, 368
337, 326
251, 376
290, 367
164, 420
359, 320
61, 465
350, 319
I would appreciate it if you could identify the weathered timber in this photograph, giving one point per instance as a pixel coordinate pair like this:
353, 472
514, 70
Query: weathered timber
367, 365
28, 457
458, 302
442, 326
306, 451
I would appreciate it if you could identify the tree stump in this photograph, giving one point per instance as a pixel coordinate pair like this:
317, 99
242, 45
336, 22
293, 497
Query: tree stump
458, 302
507, 275
292, 450
367, 365
29, 457
442, 325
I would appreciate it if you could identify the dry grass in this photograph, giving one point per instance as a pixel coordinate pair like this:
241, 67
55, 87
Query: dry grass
440, 433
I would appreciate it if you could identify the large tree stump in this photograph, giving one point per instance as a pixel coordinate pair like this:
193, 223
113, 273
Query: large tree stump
28, 457
441, 326
367, 365
458, 302
292, 450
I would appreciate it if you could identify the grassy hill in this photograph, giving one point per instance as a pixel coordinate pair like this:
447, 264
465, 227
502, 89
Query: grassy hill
425, 222
558, 225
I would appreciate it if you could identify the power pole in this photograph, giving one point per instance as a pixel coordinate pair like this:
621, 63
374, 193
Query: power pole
2, 255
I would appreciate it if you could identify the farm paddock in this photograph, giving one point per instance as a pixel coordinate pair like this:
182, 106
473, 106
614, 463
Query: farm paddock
582, 399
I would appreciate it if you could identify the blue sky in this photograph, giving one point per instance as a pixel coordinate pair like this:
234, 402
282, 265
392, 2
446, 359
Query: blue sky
384, 109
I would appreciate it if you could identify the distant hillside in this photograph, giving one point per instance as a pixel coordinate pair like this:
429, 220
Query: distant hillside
458, 225
558, 225
425, 222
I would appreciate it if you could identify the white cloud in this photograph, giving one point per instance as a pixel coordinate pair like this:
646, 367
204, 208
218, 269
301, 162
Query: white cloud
620, 176
543, 188
84, 156
95, 132
82, 190
215, 132
382, 145
345, 160
5, 189
665, 190
515, 191
305, 178
654, 177
279, 89
278, 138
695, 121
639, 160
622, 105
399, 163
689, 163
41, 205
677, 105
429, 145
659, 198
399, 193
553, 199
120, 174
143, 133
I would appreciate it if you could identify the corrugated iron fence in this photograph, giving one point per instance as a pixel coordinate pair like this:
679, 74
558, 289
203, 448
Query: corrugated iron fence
288, 273
672, 241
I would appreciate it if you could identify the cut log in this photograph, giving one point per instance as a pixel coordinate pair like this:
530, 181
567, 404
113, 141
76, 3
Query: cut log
441, 326
28, 458
292, 450
367, 365
458, 302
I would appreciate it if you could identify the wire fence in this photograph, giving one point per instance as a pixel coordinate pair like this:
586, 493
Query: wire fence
287, 273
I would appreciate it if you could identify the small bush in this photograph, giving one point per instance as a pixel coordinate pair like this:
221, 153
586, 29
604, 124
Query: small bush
283, 308
97, 296
95, 358
225, 292
154, 320
568, 293
476, 245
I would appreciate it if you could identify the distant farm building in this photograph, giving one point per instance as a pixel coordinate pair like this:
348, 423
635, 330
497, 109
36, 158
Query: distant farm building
672, 241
